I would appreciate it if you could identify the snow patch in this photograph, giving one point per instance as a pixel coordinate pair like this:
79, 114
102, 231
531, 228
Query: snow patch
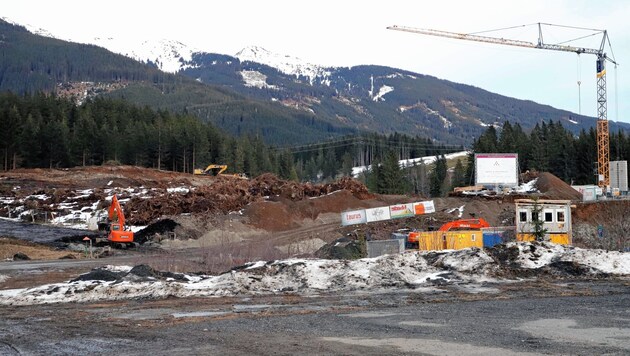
255, 79
415, 271
284, 63
460, 211
356, 171
381, 92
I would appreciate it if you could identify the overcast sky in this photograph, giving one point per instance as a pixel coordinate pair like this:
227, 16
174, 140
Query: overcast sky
347, 33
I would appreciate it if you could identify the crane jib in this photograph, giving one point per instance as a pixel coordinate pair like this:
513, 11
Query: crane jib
603, 139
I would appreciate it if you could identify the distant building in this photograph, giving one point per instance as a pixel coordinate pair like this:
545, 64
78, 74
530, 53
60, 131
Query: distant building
555, 216
619, 176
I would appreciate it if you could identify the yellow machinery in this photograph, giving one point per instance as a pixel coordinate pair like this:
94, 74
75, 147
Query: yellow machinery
217, 170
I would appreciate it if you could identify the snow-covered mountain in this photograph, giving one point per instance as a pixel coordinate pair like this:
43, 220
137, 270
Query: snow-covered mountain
168, 55
30, 28
362, 97
283, 63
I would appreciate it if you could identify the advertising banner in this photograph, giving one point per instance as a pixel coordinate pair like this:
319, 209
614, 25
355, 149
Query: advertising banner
401, 210
424, 207
377, 214
353, 217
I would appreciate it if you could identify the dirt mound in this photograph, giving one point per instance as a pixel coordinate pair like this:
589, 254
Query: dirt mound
342, 249
271, 216
160, 227
100, 274
227, 194
95, 177
136, 274
553, 187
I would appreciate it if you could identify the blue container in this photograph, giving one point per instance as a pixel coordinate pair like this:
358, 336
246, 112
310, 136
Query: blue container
491, 238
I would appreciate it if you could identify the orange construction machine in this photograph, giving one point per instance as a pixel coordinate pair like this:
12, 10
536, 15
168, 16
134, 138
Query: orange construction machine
119, 233
457, 225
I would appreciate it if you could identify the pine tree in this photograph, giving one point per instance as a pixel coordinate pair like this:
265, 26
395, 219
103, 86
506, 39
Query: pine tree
458, 175
539, 230
391, 178
438, 177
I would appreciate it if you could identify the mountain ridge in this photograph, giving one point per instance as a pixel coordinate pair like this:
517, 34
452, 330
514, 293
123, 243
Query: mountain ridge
333, 99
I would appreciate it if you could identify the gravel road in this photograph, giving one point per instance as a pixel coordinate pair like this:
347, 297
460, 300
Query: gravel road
591, 317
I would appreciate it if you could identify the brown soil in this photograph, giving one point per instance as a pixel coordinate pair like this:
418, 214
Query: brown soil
9, 247
553, 187
271, 209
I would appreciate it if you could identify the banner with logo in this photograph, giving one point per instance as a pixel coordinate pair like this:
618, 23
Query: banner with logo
401, 210
353, 217
424, 207
377, 214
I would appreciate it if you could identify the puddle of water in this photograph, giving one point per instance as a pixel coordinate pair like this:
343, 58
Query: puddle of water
569, 330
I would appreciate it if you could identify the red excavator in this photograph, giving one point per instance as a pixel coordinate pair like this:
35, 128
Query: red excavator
119, 233
462, 224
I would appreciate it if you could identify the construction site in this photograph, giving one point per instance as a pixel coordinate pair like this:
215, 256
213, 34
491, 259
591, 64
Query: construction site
132, 260
266, 248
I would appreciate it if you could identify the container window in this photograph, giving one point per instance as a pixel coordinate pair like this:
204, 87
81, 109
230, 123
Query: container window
522, 216
472, 237
560, 215
535, 216
548, 216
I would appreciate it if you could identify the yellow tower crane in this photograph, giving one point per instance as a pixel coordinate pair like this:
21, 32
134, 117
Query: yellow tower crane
603, 147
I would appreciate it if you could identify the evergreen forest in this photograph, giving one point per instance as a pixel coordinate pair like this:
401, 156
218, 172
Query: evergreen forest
45, 131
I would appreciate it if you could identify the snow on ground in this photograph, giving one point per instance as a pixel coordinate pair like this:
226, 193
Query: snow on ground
413, 161
255, 79
528, 187
412, 271
460, 211
76, 211
284, 63
381, 92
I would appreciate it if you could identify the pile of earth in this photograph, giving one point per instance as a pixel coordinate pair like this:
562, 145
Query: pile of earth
93, 177
227, 194
553, 187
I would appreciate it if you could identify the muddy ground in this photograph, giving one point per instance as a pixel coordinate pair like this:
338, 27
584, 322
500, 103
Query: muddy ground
266, 219
224, 222
525, 318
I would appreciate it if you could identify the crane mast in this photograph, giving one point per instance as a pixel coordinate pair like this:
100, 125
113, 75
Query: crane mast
603, 139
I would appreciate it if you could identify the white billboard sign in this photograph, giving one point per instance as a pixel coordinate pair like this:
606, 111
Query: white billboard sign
424, 207
496, 169
377, 214
353, 217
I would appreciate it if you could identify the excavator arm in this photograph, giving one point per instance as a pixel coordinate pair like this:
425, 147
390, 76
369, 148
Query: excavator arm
115, 212
117, 228
469, 224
